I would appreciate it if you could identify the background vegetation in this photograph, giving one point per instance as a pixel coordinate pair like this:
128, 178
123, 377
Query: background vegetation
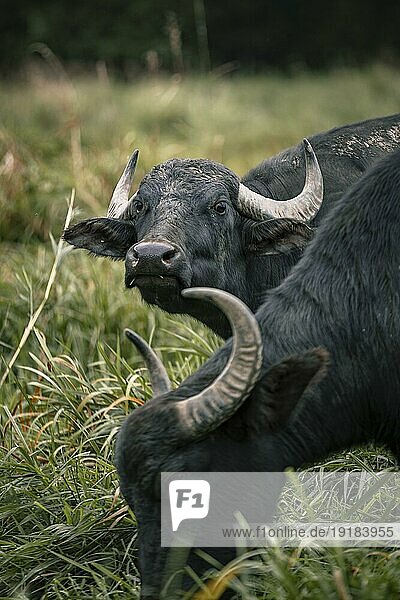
65, 531
178, 35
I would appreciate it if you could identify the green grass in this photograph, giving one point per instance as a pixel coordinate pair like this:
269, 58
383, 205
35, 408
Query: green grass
64, 530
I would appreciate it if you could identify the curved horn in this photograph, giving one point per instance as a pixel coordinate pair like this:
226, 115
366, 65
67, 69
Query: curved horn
158, 375
303, 207
120, 197
205, 411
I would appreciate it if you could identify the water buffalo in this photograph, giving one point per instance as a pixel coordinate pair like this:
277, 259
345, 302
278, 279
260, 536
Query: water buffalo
193, 223
274, 398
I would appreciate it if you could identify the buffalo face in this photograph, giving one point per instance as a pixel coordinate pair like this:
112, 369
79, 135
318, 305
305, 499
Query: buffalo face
188, 232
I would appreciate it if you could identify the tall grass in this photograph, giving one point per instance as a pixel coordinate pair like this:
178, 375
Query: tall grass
65, 531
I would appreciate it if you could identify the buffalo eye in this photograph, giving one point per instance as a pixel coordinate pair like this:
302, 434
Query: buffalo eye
220, 207
137, 205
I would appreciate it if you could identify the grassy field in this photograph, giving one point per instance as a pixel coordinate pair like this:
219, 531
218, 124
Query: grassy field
64, 530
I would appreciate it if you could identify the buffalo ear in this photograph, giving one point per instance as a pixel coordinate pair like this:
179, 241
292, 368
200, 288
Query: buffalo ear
278, 236
102, 237
282, 387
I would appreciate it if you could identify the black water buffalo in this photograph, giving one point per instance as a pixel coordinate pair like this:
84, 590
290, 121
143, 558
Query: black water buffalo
342, 296
193, 223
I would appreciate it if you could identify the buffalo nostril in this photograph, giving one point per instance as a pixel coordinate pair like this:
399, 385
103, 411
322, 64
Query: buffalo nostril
133, 257
169, 255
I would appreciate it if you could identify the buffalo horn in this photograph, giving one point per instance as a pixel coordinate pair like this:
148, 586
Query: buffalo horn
158, 375
209, 408
303, 207
119, 199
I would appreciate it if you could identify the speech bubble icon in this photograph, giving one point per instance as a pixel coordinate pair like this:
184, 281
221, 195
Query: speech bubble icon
188, 499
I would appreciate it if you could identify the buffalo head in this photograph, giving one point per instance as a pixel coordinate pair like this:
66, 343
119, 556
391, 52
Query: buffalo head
198, 427
192, 223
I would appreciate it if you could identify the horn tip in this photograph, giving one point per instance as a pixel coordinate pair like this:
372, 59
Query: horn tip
133, 159
131, 335
187, 292
202, 292
139, 343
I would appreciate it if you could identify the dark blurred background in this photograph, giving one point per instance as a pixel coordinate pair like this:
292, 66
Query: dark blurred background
130, 36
